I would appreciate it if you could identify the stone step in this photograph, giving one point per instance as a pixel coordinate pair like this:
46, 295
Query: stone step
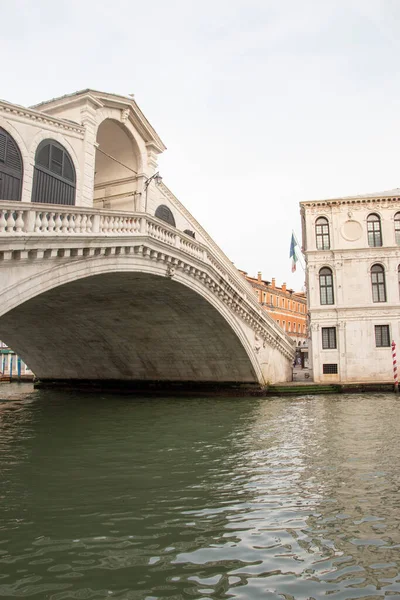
301, 390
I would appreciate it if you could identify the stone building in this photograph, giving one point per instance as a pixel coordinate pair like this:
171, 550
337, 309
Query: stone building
352, 250
287, 307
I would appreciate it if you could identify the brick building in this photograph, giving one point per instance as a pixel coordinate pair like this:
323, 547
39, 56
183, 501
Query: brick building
287, 307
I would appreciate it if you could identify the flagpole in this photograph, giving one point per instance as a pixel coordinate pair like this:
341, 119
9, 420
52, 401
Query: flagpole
299, 254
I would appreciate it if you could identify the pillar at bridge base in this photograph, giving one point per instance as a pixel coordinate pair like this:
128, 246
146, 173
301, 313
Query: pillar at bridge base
155, 388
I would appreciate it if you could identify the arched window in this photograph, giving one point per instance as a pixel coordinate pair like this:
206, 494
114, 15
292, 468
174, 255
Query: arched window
10, 168
397, 228
398, 277
54, 180
190, 232
164, 213
322, 233
378, 283
374, 230
326, 286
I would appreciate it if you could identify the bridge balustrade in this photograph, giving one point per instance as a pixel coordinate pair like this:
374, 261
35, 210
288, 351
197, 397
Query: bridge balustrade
25, 219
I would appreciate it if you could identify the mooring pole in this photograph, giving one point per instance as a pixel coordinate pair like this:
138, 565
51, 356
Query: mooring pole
396, 382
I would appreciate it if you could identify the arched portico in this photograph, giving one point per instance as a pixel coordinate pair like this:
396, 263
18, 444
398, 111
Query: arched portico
117, 162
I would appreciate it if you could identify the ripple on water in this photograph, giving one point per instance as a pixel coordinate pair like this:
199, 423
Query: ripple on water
251, 498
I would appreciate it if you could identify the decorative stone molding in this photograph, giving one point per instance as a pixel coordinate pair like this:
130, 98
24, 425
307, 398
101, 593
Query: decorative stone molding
40, 117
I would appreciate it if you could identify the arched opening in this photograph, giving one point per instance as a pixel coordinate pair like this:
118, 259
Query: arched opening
326, 286
11, 169
165, 214
397, 228
378, 283
131, 326
54, 179
322, 233
374, 230
116, 165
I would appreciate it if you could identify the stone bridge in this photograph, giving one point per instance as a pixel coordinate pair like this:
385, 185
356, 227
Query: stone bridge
95, 292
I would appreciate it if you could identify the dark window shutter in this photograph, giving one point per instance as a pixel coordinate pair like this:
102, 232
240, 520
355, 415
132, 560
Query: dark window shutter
43, 157
11, 168
165, 214
3, 143
54, 175
68, 169
13, 157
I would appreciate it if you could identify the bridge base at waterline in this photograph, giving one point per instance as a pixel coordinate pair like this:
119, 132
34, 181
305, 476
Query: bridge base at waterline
156, 388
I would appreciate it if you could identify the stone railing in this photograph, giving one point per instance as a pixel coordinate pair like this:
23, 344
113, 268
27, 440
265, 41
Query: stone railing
25, 219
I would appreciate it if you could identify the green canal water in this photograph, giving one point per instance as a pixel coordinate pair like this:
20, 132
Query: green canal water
120, 497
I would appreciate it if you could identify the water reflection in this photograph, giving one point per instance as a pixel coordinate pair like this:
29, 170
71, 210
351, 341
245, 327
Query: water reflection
126, 498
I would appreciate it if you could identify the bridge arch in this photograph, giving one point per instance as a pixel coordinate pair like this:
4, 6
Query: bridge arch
122, 318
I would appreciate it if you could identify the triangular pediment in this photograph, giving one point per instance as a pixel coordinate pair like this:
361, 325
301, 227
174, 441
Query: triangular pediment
103, 99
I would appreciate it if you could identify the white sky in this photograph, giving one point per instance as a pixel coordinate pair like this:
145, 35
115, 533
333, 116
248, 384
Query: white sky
262, 103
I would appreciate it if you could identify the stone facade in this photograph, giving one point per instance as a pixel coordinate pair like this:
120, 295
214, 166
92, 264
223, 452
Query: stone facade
352, 249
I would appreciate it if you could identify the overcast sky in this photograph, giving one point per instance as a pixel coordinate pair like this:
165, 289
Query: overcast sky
261, 103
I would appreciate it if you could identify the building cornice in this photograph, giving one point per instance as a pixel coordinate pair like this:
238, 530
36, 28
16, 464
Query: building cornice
349, 201
39, 117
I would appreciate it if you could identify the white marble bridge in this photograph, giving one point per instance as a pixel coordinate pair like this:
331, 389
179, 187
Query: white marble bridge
118, 282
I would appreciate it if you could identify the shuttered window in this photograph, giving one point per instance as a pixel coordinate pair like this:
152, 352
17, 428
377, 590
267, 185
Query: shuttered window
165, 214
54, 180
11, 170
3, 141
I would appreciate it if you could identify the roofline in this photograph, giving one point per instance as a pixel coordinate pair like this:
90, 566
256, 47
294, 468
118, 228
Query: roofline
127, 100
37, 115
351, 199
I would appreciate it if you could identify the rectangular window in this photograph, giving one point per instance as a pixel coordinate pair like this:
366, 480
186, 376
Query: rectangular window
289, 325
397, 228
329, 369
382, 336
328, 338
294, 327
283, 325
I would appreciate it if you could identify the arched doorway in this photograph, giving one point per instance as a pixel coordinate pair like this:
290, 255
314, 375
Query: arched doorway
116, 167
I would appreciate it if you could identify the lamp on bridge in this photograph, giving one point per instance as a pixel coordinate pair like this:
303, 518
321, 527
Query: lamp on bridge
157, 179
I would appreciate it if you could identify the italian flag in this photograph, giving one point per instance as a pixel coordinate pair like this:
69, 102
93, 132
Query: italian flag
292, 254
